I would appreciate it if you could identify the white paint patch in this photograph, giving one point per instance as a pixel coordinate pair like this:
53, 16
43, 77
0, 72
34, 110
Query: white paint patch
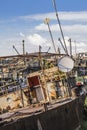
39, 125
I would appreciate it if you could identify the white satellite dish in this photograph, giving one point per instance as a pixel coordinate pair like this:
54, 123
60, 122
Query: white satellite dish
65, 64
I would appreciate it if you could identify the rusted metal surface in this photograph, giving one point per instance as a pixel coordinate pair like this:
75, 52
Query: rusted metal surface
64, 115
12, 101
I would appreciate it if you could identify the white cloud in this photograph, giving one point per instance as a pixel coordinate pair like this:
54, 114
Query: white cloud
74, 26
73, 16
21, 34
36, 39
41, 27
77, 28
62, 15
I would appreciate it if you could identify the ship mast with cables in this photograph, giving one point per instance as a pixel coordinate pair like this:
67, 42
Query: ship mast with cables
65, 47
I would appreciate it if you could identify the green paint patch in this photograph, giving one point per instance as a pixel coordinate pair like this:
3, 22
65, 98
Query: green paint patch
84, 125
84, 122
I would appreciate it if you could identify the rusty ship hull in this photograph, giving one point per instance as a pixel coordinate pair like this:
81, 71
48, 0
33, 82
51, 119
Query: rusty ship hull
63, 115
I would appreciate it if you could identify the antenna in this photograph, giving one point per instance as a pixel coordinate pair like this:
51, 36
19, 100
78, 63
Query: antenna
46, 21
54, 4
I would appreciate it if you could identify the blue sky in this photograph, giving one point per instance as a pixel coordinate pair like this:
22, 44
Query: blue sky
24, 19
11, 8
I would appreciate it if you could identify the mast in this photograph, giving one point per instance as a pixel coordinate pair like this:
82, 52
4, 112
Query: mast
75, 49
70, 47
54, 4
16, 50
48, 49
23, 50
46, 21
23, 47
62, 45
40, 56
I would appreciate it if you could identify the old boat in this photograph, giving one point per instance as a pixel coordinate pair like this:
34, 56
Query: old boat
50, 104
54, 103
